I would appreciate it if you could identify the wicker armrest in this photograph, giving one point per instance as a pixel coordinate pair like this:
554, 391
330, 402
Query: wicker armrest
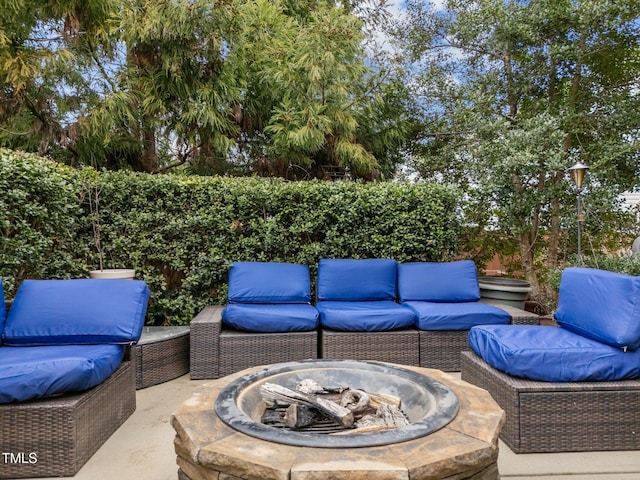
209, 314
205, 342
519, 316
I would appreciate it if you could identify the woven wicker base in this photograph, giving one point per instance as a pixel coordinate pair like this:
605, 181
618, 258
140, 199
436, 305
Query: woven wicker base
217, 351
398, 346
241, 350
560, 417
163, 360
440, 349
55, 437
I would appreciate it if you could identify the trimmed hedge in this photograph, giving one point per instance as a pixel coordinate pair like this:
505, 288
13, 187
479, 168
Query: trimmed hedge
40, 218
181, 233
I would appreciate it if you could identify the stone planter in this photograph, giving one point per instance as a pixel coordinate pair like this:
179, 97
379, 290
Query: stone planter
113, 273
506, 291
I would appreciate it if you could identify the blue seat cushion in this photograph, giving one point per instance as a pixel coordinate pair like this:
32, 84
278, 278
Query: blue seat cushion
72, 312
365, 316
456, 316
269, 282
27, 373
270, 318
438, 281
551, 354
601, 305
363, 280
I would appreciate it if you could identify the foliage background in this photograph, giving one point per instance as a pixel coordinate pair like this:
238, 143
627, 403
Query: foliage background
506, 96
181, 233
496, 98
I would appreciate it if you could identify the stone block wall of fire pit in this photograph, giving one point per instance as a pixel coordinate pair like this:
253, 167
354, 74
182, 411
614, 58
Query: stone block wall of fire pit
466, 448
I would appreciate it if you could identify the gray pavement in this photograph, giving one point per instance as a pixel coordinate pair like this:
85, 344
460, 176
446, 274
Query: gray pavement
142, 449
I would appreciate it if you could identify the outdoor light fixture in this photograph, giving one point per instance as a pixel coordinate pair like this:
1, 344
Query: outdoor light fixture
578, 172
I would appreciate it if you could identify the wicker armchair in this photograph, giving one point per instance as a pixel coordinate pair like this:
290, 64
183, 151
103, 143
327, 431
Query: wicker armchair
51, 420
59, 434
574, 387
268, 319
546, 417
446, 299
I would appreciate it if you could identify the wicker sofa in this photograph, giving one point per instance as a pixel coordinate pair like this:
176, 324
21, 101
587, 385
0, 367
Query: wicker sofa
575, 387
269, 319
360, 317
66, 381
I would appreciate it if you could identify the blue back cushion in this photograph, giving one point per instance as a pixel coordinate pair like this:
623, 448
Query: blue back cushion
3, 310
438, 282
350, 280
82, 311
601, 305
269, 282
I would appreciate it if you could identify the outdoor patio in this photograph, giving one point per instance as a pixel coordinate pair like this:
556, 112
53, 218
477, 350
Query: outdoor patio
142, 449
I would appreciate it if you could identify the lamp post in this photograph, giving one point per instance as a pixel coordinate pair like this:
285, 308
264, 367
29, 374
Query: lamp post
578, 172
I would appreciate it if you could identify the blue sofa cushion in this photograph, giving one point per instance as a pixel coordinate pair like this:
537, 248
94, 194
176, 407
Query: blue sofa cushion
551, 354
27, 373
270, 318
601, 305
456, 316
365, 316
269, 282
350, 280
438, 282
72, 312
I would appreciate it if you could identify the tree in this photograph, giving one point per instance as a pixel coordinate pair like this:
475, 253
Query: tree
44, 51
224, 86
307, 94
512, 93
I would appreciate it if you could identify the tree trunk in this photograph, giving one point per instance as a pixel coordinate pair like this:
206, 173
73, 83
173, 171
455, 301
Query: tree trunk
527, 255
149, 157
553, 239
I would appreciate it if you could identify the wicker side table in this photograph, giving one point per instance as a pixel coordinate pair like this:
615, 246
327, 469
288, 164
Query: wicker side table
162, 354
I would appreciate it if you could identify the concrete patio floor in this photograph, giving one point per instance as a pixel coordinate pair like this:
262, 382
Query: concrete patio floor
142, 449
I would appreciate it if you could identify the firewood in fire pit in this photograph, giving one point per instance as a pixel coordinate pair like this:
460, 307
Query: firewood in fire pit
392, 416
311, 404
300, 416
362, 403
379, 399
274, 392
357, 401
272, 417
310, 386
386, 417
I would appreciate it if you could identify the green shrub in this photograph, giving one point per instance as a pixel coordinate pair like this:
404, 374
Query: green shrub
40, 219
181, 233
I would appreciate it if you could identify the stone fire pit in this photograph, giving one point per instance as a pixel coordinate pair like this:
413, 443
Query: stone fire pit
456, 439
